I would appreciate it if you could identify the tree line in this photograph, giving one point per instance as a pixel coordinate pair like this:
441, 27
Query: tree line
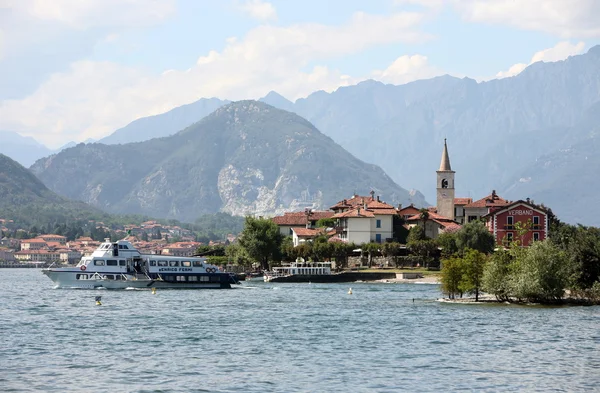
567, 263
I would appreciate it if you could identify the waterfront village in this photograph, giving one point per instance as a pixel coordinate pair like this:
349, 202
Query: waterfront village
367, 219
358, 220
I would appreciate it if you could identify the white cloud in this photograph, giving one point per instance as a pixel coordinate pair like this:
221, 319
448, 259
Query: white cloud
91, 99
558, 52
563, 18
83, 14
259, 9
407, 69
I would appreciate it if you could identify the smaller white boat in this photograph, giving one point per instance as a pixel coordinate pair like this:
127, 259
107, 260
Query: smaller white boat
305, 269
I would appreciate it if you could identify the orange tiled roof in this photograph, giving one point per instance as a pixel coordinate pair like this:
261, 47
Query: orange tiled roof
462, 201
391, 211
358, 200
491, 200
432, 216
449, 226
299, 218
355, 213
307, 232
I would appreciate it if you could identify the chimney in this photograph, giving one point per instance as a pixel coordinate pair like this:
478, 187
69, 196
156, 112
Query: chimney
494, 194
378, 198
372, 194
399, 206
528, 200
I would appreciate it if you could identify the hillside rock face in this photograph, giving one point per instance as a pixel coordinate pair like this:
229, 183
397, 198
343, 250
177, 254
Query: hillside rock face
25, 198
245, 158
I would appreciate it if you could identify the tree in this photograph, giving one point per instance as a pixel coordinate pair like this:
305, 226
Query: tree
475, 236
340, 253
371, 249
416, 233
237, 254
496, 275
424, 216
541, 273
425, 249
472, 268
451, 276
391, 250
447, 242
326, 223
261, 239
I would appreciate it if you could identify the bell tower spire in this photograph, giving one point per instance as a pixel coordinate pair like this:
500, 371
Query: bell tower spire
445, 186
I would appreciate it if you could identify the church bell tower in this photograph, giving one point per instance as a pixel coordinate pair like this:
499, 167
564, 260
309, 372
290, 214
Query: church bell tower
445, 186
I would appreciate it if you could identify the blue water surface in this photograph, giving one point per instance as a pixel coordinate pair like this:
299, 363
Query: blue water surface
270, 337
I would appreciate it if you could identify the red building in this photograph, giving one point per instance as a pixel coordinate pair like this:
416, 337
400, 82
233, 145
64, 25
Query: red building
520, 221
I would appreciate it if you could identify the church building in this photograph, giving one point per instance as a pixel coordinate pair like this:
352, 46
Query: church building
508, 221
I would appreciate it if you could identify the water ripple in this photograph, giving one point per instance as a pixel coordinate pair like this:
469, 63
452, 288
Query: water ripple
287, 338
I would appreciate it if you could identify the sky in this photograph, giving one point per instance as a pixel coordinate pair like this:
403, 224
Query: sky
77, 69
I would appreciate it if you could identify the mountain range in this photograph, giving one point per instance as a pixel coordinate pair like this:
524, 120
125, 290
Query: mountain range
246, 157
498, 131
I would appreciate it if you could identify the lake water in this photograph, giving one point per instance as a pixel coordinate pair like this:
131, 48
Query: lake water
269, 337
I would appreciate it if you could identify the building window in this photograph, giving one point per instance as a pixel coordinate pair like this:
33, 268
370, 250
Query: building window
509, 222
378, 238
472, 218
291, 232
536, 222
509, 236
378, 224
536, 236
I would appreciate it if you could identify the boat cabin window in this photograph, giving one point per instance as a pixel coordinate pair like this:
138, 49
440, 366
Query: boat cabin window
152, 263
163, 263
121, 262
197, 263
111, 262
105, 247
99, 262
180, 278
81, 276
123, 247
186, 263
109, 277
173, 263
192, 278
204, 278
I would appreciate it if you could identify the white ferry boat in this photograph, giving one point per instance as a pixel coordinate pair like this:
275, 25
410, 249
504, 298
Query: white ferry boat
306, 269
119, 265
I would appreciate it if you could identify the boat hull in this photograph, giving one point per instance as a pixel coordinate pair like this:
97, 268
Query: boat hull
68, 279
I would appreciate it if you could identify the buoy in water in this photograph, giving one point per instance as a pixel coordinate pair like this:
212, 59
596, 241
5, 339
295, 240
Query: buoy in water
350, 291
98, 300
154, 291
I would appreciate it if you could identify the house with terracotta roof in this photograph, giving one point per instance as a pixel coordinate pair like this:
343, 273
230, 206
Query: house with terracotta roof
364, 219
520, 221
434, 224
476, 210
33, 244
301, 235
408, 211
459, 209
306, 219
